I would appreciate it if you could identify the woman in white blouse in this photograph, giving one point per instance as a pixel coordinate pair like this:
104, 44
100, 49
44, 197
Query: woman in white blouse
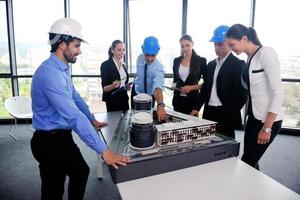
188, 69
262, 79
114, 78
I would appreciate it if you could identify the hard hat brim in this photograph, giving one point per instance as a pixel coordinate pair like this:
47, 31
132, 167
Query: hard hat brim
81, 39
216, 40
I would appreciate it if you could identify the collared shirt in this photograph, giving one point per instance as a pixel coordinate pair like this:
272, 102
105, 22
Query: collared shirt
122, 73
155, 76
214, 99
57, 105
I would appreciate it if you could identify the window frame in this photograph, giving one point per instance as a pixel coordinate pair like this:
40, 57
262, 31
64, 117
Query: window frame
126, 37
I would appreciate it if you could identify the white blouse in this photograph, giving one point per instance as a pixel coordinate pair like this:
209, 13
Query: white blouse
122, 73
183, 72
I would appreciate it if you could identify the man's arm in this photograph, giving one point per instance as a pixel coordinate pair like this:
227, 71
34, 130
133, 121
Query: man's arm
60, 98
83, 107
63, 102
158, 94
158, 81
161, 113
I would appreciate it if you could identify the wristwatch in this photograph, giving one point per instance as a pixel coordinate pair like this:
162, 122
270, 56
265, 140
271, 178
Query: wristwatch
267, 130
161, 104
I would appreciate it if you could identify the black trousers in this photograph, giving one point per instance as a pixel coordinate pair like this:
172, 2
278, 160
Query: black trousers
113, 105
253, 151
58, 157
117, 102
183, 104
225, 125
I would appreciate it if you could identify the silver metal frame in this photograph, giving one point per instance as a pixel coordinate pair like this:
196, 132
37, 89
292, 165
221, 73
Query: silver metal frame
10, 131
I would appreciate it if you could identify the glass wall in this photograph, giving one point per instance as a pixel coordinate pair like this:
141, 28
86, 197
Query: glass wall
204, 17
158, 18
31, 31
282, 33
91, 91
24, 86
5, 88
102, 23
4, 54
5, 83
291, 105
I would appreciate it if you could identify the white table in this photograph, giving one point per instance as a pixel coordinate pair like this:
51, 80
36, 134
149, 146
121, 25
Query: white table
112, 118
227, 179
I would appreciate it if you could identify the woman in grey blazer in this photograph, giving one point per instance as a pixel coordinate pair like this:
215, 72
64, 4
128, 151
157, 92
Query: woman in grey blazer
262, 79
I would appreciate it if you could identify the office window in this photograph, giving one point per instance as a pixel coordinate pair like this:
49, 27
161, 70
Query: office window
4, 54
158, 18
25, 86
102, 23
204, 16
31, 31
5, 83
5, 88
91, 91
291, 105
281, 33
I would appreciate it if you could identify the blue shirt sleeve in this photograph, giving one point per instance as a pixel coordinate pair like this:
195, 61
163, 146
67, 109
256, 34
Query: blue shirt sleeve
139, 81
58, 94
158, 77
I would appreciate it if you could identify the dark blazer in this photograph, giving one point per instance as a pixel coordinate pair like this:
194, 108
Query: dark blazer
197, 70
230, 91
109, 73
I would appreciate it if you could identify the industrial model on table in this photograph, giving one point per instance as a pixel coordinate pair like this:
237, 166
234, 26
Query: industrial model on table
180, 141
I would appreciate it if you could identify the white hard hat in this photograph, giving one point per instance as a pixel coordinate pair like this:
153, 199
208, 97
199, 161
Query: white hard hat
66, 26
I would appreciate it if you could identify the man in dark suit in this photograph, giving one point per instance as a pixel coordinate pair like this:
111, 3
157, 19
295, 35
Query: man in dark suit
222, 91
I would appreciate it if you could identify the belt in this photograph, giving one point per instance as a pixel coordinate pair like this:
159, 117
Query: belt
221, 106
54, 131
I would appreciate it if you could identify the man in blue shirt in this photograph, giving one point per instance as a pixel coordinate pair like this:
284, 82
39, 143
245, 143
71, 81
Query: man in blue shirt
150, 74
57, 110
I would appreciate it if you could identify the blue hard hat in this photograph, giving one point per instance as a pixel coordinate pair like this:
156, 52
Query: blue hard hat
150, 46
219, 34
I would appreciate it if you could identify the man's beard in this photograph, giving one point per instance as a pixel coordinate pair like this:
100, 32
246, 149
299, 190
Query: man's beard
70, 59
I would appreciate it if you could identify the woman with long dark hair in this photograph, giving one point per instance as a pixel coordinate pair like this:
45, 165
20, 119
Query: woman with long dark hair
114, 79
261, 78
188, 69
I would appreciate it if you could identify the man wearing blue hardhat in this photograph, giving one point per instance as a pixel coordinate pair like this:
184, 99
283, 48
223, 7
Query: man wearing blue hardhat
222, 92
150, 75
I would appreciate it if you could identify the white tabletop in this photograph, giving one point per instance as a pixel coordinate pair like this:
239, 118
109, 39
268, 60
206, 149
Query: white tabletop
112, 119
227, 179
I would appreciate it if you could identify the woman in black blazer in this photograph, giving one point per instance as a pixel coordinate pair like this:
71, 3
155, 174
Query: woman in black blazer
188, 69
114, 79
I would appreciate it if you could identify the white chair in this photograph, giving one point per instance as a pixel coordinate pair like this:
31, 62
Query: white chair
19, 107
